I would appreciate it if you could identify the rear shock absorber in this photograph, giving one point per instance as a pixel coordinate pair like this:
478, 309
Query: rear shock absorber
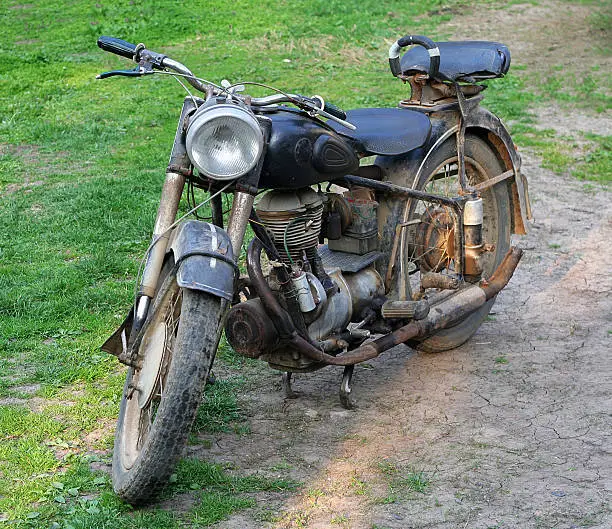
472, 232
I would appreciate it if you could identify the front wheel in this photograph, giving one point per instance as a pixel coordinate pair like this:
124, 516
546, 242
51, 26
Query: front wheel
160, 399
430, 241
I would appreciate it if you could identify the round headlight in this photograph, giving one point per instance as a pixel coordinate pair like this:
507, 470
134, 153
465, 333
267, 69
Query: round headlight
224, 141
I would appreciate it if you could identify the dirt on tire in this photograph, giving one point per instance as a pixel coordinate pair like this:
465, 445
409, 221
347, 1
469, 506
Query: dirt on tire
511, 429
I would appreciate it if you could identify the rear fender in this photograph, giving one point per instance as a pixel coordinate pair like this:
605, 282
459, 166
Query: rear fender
485, 124
406, 170
204, 257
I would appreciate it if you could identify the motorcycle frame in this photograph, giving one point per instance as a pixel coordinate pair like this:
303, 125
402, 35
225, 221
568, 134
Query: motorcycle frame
447, 120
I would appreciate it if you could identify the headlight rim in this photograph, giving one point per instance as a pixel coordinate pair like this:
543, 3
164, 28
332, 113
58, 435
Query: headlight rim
208, 113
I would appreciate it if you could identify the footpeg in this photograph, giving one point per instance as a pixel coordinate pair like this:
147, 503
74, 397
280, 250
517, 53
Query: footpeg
405, 310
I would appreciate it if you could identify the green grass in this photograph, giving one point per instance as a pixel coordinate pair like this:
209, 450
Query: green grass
402, 480
81, 166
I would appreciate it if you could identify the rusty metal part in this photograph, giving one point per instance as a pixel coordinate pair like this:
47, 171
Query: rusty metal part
426, 92
472, 230
492, 181
166, 214
441, 281
503, 273
238, 220
279, 316
448, 312
417, 82
521, 208
456, 203
466, 188
342, 341
387, 187
435, 237
336, 203
408, 172
393, 257
474, 249
249, 330
216, 206
179, 160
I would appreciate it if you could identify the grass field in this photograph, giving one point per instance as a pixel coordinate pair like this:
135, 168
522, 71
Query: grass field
81, 165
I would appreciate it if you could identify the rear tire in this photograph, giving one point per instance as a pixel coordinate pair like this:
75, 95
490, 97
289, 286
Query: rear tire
152, 431
481, 164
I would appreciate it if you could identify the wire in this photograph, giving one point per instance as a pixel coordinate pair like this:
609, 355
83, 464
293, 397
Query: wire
273, 88
296, 101
163, 234
203, 81
186, 90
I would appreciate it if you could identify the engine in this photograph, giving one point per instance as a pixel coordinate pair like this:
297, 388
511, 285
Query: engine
332, 287
294, 219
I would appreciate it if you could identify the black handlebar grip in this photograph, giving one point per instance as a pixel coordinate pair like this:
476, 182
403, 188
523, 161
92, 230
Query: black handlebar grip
334, 110
117, 46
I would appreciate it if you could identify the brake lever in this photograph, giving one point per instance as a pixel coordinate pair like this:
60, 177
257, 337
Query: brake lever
136, 72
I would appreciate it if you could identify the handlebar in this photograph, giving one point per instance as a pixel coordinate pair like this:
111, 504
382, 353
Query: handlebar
118, 47
152, 60
330, 108
420, 40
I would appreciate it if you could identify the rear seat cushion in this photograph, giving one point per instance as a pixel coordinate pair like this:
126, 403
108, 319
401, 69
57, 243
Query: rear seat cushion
461, 61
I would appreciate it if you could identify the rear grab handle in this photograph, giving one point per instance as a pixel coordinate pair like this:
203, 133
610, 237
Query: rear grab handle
419, 40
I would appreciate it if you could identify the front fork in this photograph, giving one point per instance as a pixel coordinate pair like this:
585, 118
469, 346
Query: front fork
166, 216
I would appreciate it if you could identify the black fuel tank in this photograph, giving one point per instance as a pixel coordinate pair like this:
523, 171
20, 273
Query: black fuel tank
303, 152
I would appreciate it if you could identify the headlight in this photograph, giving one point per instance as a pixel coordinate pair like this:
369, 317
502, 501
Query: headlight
224, 141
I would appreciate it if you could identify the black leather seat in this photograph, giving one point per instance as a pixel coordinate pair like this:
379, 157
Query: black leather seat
461, 61
389, 131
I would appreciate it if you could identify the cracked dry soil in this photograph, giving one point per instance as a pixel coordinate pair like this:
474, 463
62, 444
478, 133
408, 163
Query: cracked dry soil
512, 429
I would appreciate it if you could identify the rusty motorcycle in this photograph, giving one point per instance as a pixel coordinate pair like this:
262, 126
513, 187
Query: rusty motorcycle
372, 227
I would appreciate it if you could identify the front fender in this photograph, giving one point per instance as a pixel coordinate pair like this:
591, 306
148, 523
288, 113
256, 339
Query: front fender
205, 259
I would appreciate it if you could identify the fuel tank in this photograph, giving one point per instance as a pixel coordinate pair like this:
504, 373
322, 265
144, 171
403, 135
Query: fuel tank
302, 152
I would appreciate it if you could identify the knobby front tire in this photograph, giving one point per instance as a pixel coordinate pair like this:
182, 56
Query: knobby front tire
152, 432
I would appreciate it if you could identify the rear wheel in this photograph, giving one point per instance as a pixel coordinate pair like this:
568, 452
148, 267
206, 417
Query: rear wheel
430, 241
176, 347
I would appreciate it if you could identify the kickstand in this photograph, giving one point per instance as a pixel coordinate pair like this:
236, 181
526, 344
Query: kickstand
211, 379
345, 388
287, 389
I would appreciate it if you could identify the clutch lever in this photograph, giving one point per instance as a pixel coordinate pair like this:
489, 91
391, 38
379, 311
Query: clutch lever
139, 71
318, 107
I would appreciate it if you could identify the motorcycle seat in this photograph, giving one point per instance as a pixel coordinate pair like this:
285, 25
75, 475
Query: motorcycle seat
386, 131
467, 61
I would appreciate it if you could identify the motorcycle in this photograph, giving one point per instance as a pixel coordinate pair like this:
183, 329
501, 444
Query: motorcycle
380, 226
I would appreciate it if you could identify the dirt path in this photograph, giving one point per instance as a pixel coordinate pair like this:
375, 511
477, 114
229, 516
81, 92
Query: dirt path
512, 430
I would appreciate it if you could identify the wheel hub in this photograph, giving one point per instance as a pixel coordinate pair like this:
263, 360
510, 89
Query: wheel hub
435, 239
155, 351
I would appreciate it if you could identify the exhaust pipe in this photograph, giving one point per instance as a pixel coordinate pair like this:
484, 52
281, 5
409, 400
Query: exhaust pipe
445, 314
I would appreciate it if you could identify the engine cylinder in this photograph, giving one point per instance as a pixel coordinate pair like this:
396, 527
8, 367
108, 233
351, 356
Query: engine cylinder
294, 219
